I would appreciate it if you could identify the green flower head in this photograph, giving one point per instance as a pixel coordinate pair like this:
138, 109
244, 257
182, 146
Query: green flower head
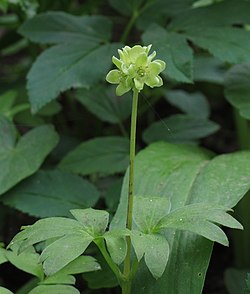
135, 68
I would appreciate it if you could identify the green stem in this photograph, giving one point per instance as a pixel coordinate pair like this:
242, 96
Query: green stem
127, 268
101, 245
129, 26
243, 130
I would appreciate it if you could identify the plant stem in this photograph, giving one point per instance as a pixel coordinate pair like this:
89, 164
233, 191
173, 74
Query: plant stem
129, 27
126, 271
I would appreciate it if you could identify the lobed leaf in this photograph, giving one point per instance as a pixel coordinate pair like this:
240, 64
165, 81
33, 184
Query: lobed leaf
22, 159
148, 211
237, 88
45, 229
155, 249
105, 155
51, 193
93, 221
55, 289
72, 246
174, 50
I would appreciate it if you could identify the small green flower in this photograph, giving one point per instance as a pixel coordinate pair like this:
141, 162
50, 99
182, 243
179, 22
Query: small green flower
135, 68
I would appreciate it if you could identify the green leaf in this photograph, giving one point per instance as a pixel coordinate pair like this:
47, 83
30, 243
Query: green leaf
105, 155
45, 229
5, 291
22, 159
65, 66
228, 44
116, 244
237, 89
174, 50
103, 103
179, 128
51, 193
59, 27
94, 221
128, 7
193, 104
200, 218
78, 60
186, 175
72, 246
220, 14
155, 249
7, 100
209, 69
7, 134
27, 261
82, 264
148, 211
3, 258
55, 289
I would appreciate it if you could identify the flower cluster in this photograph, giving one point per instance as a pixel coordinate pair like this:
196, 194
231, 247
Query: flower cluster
135, 68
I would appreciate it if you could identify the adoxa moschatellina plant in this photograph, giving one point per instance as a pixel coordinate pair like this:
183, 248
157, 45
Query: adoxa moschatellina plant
147, 217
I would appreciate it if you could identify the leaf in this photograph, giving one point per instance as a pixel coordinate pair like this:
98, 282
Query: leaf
59, 27
127, 8
104, 155
94, 221
220, 14
155, 249
27, 261
186, 175
3, 258
237, 88
51, 193
179, 128
7, 134
228, 44
7, 100
148, 211
81, 264
193, 104
22, 159
174, 50
45, 229
200, 218
55, 289
209, 69
116, 244
78, 60
65, 66
5, 291
103, 103
72, 246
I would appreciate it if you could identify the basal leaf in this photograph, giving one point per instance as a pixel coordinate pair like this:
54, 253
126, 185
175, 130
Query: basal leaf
94, 221
237, 88
227, 43
193, 104
22, 159
56, 289
155, 249
72, 246
51, 193
148, 211
185, 175
65, 66
103, 103
179, 128
174, 50
104, 155
59, 27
